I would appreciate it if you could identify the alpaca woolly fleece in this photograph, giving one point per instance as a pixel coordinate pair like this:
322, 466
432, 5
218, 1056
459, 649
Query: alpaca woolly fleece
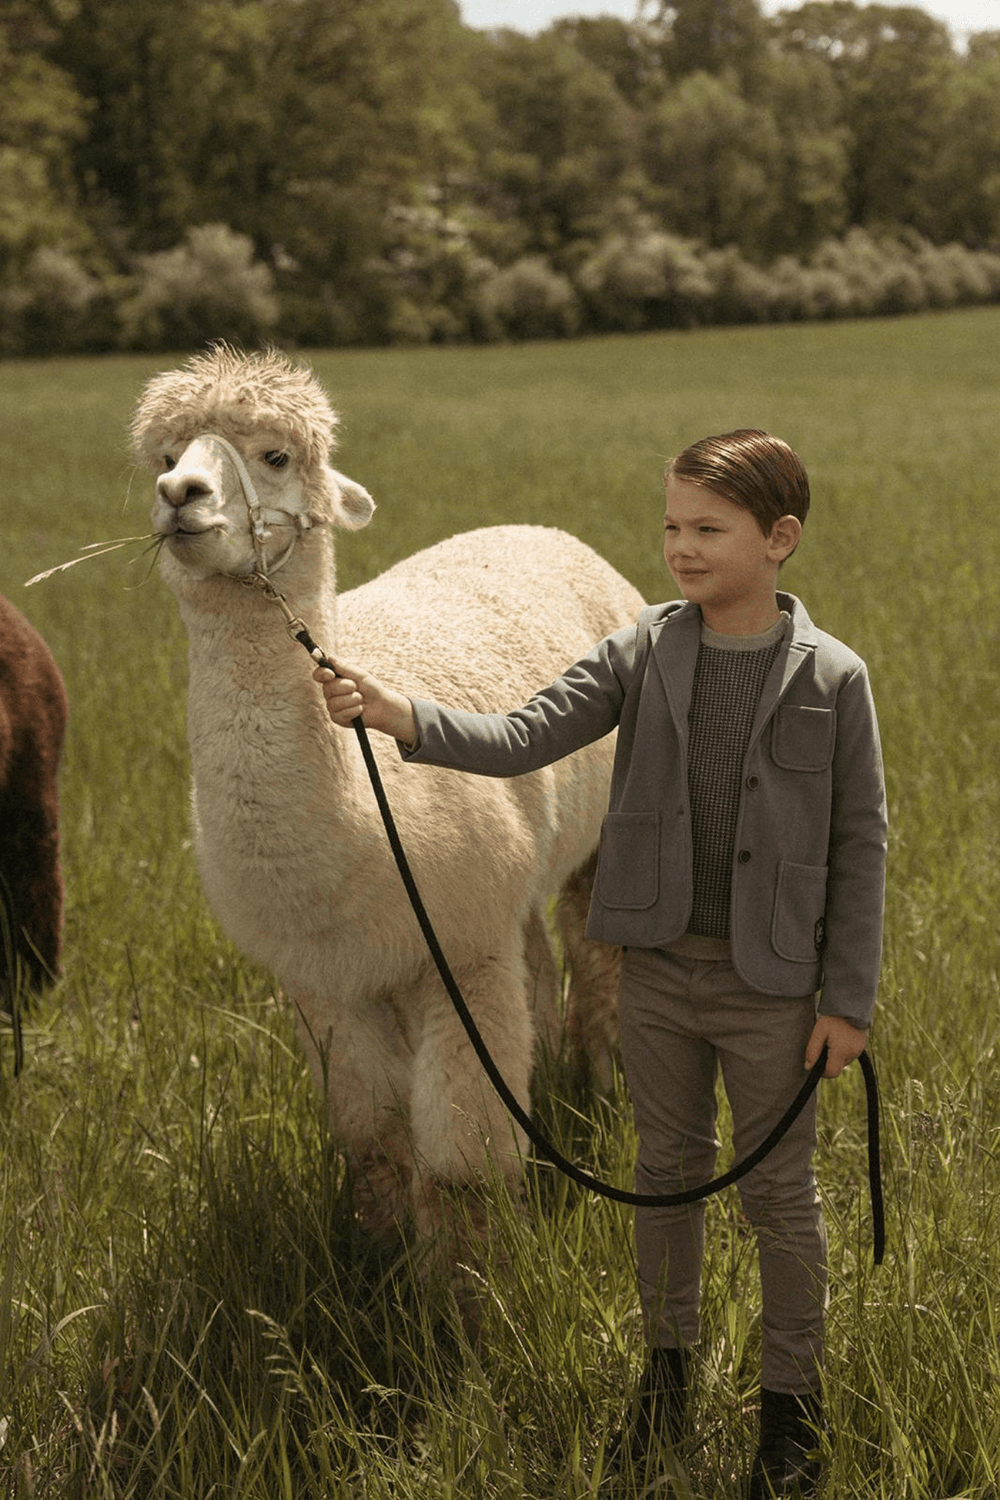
33, 713
289, 842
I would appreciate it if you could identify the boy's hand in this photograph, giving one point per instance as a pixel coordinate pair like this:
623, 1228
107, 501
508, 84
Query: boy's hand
350, 691
846, 1042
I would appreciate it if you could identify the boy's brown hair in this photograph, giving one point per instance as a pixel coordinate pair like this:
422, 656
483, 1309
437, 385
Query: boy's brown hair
750, 468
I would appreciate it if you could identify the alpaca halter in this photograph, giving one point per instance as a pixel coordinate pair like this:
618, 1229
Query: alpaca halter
260, 517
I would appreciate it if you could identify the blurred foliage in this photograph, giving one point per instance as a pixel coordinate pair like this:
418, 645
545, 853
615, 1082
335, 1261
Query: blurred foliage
374, 171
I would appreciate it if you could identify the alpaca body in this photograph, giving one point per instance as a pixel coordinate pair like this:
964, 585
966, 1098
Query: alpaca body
289, 840
32, 726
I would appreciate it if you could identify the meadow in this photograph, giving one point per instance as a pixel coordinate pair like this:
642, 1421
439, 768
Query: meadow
186, 1311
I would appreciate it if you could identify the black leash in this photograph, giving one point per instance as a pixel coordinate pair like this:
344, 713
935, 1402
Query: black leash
538, 1140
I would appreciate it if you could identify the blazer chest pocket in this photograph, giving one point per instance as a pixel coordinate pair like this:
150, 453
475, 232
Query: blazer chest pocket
628, 864
802, 738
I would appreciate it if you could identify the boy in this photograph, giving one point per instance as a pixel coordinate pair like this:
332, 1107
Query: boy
742, 868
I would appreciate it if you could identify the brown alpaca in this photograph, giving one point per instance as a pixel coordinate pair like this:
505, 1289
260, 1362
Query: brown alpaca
32, 724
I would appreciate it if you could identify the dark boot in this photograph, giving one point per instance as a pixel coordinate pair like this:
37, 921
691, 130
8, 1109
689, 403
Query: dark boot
663, 1398
660, 1413
787, 1463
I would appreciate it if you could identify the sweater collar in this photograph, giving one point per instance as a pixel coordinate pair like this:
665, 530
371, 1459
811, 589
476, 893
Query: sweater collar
674, 642
679, 612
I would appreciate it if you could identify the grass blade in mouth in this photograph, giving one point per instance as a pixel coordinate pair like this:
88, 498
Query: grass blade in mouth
94, 549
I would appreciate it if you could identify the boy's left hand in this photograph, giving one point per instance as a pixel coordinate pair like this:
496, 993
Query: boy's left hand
845, 1043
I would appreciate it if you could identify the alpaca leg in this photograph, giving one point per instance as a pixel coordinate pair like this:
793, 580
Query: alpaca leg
459, 1123
542, 980
361, 1064
594, 970
462, 1131
31, 891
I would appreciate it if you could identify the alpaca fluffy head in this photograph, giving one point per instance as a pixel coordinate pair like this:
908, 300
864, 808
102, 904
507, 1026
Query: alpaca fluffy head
238, 395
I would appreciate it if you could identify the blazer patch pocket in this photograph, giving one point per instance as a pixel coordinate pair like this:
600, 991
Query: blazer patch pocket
797, 923
802, 738
628, 864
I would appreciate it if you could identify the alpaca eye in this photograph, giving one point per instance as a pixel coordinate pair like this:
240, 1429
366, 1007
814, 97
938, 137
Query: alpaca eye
276, 459
168, 462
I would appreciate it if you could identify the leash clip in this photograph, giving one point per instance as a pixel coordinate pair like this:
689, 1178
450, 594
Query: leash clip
293, 625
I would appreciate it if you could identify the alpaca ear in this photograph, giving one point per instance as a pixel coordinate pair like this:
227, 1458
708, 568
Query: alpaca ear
352, 505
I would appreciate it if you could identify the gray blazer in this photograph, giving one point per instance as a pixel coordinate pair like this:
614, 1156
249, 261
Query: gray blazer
808, 881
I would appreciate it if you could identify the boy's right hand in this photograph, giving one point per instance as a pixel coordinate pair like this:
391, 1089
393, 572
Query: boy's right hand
350, 692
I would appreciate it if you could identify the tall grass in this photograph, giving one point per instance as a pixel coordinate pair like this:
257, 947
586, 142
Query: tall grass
186, 1310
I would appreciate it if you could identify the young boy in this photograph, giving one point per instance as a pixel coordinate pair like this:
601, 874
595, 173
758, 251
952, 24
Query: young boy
742, 868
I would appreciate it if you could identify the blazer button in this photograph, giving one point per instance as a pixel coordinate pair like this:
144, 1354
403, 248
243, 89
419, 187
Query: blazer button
744, 856
753, 782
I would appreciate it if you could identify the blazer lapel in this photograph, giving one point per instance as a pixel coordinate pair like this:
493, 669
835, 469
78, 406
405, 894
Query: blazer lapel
674, 645
797, 648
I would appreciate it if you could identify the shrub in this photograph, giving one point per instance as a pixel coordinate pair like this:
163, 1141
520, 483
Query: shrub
988, 262
790, 290
209, 287
876, 272
55, 306
317, 317
952, 275
901, 288
430, 273
528, 300
741, 292
830, 293
651, 279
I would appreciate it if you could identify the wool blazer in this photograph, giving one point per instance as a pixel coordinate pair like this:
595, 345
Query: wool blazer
808, 874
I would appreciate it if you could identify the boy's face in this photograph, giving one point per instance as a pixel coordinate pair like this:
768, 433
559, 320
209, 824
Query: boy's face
721, 560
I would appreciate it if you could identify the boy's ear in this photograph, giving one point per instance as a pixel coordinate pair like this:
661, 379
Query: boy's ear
786, 534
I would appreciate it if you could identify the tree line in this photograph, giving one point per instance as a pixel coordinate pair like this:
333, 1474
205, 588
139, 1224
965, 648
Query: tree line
373, 171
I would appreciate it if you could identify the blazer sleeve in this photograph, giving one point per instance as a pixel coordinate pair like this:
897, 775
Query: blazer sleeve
581, 706
855, 899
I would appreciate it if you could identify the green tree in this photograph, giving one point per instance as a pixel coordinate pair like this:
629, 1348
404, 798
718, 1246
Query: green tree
714, 162
565, 142
366, 106
715, 36
893, 66
629, 53
814, 154
138, 63
42, 119
296, 122
967, 186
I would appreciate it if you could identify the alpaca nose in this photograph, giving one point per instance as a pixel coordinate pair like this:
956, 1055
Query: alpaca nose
179, 487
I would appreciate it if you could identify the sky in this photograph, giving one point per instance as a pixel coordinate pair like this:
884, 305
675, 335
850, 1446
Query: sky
961, 16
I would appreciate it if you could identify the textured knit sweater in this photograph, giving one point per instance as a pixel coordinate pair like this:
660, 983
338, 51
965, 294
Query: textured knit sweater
728, 678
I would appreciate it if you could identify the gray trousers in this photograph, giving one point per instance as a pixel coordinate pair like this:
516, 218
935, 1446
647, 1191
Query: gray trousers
681, 1020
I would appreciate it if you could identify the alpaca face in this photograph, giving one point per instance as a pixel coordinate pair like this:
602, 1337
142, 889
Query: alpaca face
240, 444
202, 504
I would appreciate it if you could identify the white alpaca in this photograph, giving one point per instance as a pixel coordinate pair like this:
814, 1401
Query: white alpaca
289, 843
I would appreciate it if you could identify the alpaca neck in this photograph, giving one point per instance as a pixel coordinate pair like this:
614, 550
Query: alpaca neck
253, 710
236, 624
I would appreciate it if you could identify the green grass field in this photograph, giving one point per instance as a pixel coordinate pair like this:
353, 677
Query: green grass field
186, 1311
